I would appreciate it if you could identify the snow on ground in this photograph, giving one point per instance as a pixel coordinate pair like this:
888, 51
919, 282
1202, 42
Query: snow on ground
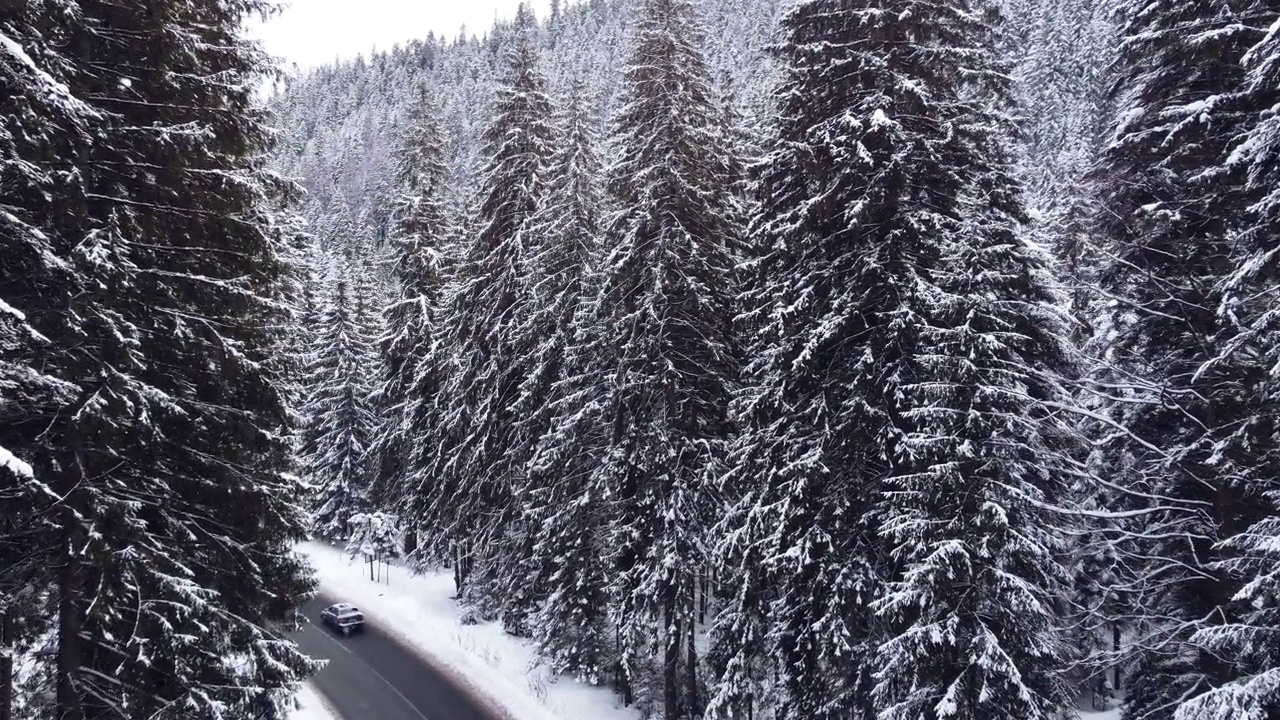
495, 666
313, 707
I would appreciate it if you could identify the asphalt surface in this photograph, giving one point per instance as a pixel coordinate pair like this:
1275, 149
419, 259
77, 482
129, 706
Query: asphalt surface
371, 677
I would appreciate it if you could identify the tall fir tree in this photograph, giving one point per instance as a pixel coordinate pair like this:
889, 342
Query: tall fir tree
906, 344
170, 338
43, 129
797, 545
1187, 220
339, 409
420, 229
1251, 319
976, 445
665, 357
564, 574
465, 501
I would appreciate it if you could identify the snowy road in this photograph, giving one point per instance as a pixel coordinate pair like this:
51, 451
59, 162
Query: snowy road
370, 677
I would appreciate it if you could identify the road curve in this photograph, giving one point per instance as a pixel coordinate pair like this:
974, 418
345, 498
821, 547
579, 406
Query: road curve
372, 677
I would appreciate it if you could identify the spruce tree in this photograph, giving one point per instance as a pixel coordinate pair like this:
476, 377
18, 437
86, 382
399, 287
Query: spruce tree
564, 573
1189, 218
465, 495
899, 399
798, 545
1252, 319
1178, 214
43, 128
169, 338
420, 229
665, 355
976, 445
339, 408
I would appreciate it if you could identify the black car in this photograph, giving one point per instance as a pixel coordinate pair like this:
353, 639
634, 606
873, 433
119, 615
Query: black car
344, 618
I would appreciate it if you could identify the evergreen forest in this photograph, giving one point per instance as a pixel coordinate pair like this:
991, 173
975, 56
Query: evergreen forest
755, 359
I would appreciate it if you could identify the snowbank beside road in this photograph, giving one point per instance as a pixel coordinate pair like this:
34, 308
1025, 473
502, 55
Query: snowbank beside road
313, 706
495, 667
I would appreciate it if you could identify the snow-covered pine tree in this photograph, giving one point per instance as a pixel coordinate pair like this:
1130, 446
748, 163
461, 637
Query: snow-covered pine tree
888, 199
43, 128
1189, 216
339, 408
171, 567
564, 573
798, 546
419, 231
465, 502
1175, 217
310, 265
665, 354
1062, 51
1252, 318
975, 443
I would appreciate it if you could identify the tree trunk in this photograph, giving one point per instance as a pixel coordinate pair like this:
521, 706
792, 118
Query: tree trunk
464, 565
692, 663
670, 657
1115, 647
457, 569
71, 591
705, 586
622, 684
70, 623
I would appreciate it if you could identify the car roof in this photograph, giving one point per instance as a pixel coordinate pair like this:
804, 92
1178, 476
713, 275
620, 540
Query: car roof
344, 607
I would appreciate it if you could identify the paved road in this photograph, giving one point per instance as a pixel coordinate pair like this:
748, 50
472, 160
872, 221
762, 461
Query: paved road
371, 677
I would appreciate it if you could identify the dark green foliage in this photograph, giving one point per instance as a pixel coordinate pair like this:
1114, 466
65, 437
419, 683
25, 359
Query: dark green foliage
1188, 222
665, 358
465, 482
170, 562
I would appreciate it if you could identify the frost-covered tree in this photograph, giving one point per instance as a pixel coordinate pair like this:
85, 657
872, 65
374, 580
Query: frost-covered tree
419, 232
664, 355
464, 499
42, 129
1253, 322
339, 409
896, 425
1060, 51
564, 571
976, 445
1187, 216
173, 526
797, 544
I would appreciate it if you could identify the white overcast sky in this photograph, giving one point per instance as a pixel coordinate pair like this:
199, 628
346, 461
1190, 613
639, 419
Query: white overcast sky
313, 32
